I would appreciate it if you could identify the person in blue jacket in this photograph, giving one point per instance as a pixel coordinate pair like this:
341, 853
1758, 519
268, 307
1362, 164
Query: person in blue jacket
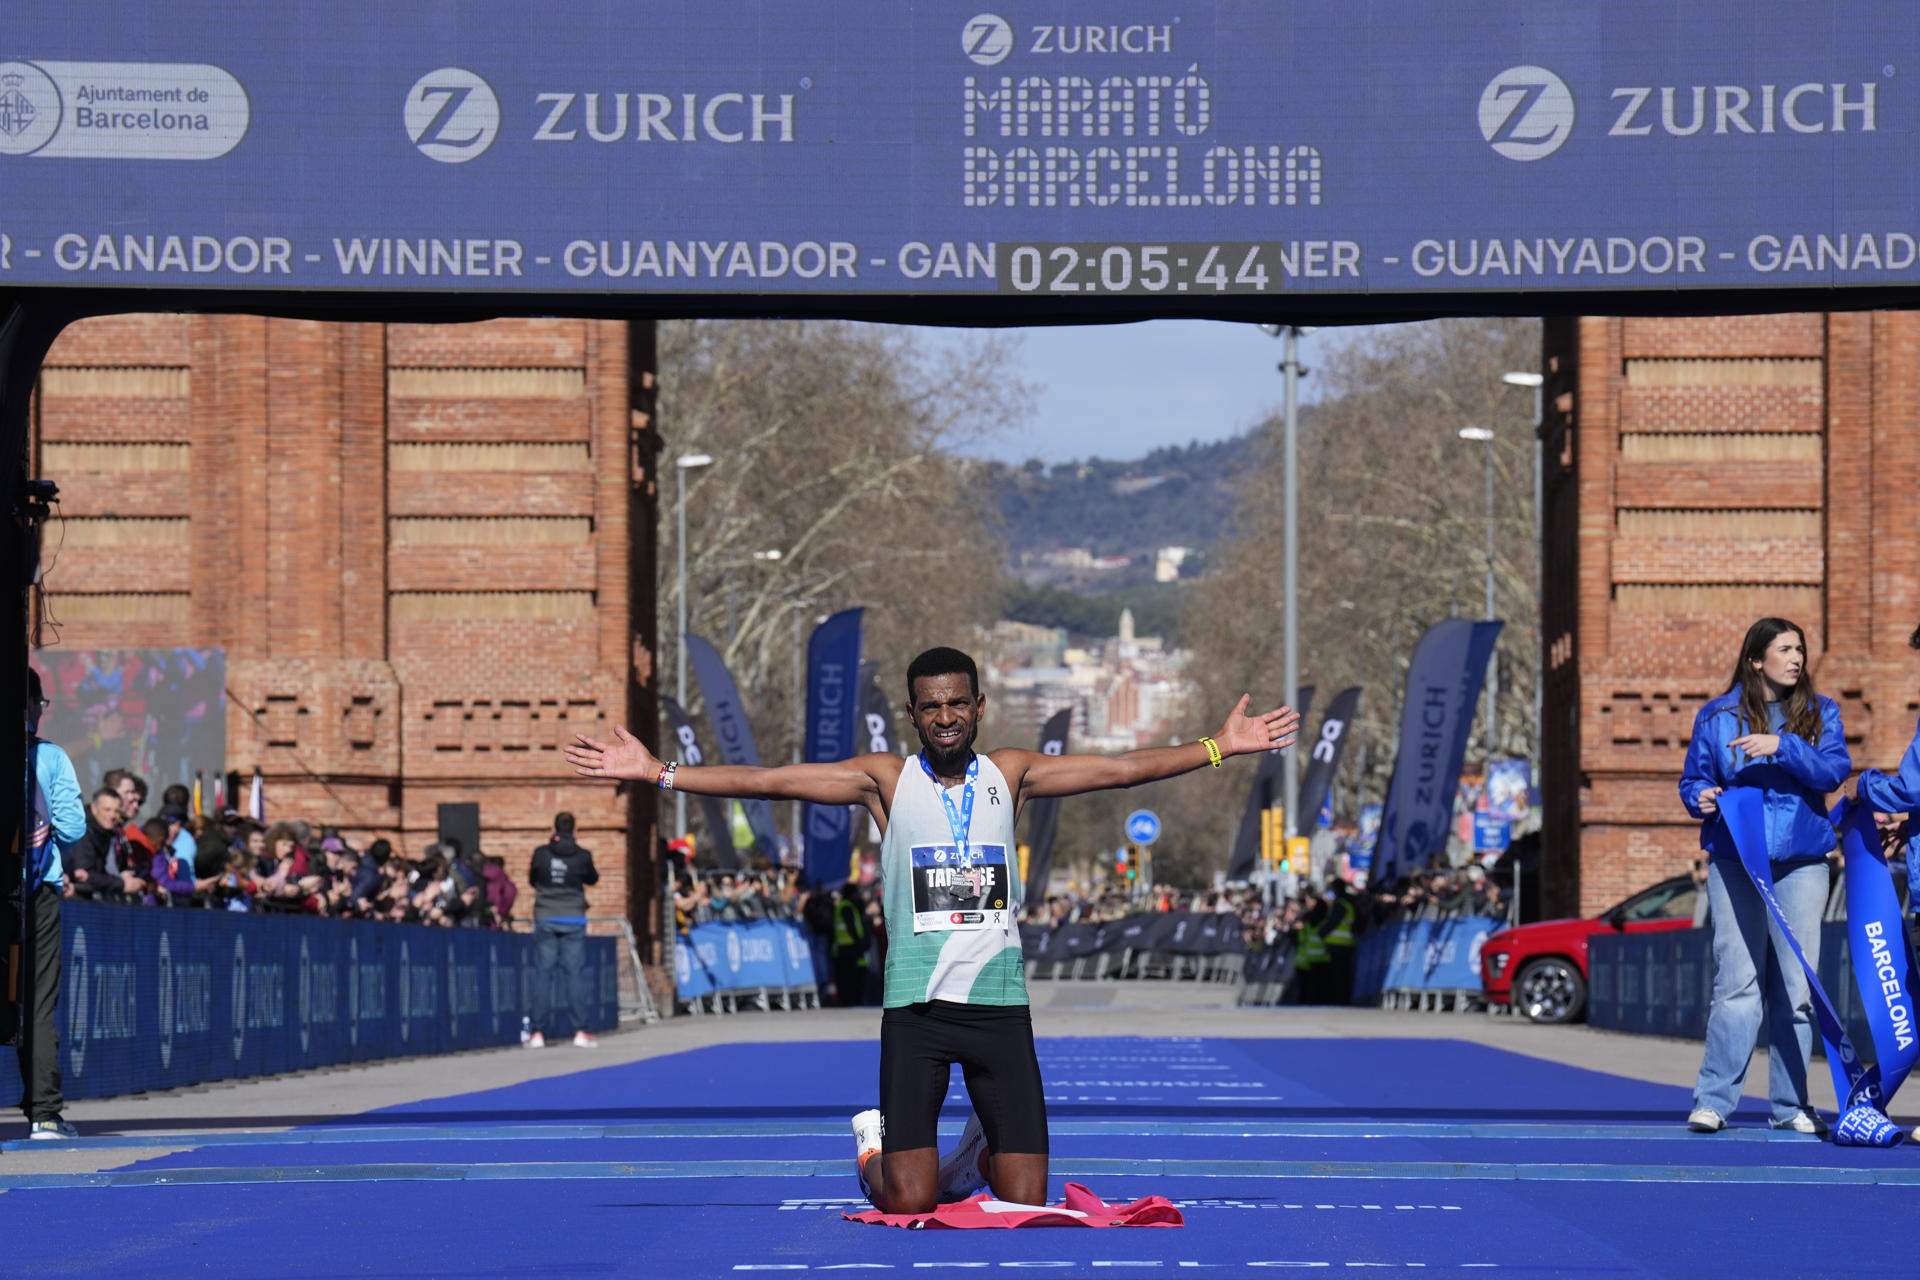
1772, 733
30, 916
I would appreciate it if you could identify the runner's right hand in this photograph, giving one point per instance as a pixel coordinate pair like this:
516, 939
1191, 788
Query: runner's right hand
1709, 799
625, 757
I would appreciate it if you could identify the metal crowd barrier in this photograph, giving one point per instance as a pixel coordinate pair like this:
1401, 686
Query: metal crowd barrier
1174, 946
1423, 964
636, 1001
760, 964
1268, 975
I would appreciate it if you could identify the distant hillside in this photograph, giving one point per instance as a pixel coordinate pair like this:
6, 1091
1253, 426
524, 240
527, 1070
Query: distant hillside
1178, 496
1175, 496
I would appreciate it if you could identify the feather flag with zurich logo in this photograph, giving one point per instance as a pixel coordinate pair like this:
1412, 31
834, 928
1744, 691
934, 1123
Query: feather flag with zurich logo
833, 716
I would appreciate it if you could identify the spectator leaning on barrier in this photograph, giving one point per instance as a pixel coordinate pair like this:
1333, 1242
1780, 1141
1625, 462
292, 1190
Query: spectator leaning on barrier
500, 890
559, 876
30, 918
97, 864
176, 805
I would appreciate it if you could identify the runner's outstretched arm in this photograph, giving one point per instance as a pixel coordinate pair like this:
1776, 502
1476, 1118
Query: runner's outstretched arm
855, 781
1242, 734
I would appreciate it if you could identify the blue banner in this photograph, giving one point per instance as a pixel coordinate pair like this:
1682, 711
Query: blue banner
1043, 815
833, 705
1165, 149
760, 955
719, 850
157, 999
1443, 686
1323, 761
733, 734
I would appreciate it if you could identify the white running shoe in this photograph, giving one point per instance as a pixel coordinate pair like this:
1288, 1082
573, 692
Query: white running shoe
960, 1173
535, 1041
582, 1040
868, 1129
1705, 1120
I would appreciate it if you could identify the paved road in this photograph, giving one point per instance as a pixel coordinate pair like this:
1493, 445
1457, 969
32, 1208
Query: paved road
1061, 1009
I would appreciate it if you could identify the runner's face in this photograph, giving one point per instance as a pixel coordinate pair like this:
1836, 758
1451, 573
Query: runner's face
946, 715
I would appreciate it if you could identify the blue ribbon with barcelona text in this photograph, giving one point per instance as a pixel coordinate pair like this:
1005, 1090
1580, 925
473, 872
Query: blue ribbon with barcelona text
1879, 950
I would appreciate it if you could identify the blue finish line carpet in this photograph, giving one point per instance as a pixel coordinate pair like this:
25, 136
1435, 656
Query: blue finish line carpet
1429, 1156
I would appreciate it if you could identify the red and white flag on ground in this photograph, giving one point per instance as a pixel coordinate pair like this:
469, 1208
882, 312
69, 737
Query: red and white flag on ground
1080, 1208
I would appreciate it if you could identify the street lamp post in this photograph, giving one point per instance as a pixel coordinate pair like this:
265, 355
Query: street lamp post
1484, 436
684, 463
1536, 381
1292, 371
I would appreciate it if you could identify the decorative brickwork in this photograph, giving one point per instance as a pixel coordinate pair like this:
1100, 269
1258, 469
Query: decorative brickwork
1701, 473
411, 540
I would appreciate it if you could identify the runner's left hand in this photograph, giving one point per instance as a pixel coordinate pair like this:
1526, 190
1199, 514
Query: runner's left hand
1243, 733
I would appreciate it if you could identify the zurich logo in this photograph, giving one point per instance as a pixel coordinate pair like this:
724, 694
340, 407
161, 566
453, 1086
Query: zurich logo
29, 108
77, 1006
987, 38
239, 996
304, 1000
353, 991
733, 950
1526, 113
452, 115
164, 1005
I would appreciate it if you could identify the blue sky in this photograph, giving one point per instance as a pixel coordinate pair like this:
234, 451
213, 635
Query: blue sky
1118, 391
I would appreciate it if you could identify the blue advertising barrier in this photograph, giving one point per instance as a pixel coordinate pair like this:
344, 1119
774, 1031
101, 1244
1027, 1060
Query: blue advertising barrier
758, 955
1421, 955
1661, 984
156, 999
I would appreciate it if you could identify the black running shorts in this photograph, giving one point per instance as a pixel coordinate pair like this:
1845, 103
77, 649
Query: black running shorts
993, 1044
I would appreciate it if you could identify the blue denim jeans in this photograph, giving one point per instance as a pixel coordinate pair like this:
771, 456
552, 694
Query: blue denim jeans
1745, 938
559, 951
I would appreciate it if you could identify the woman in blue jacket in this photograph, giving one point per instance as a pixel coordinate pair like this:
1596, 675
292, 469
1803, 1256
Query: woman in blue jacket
1772, 733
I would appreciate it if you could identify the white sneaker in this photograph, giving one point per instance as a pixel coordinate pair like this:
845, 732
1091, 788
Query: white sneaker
581, 1040
1705, 1120
868, 1129
1805, 1122
536, 1041
960, 1173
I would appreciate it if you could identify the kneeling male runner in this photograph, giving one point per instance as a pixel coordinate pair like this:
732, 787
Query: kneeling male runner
956, 987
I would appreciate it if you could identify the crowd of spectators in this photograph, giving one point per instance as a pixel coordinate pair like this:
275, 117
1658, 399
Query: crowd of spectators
228, 862
737, 896
1437, 893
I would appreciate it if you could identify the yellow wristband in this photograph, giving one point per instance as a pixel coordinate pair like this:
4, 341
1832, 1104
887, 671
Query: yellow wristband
1213, 751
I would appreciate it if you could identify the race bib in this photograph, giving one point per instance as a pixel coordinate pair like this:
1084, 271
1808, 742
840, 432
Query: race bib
948, 896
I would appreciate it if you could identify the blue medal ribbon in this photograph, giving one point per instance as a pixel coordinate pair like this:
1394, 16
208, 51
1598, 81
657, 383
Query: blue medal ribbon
1878, 947
959, 821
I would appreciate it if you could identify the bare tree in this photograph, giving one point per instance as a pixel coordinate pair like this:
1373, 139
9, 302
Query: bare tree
1392, 535
836, 446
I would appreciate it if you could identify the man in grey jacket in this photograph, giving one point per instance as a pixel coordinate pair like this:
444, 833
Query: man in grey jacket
559, 876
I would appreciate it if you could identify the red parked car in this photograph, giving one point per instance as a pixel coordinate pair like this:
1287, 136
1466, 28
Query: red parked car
1541, 969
